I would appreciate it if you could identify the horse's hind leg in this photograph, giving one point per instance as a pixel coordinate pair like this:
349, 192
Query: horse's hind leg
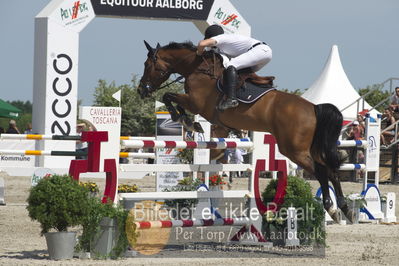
342, 204
322, 173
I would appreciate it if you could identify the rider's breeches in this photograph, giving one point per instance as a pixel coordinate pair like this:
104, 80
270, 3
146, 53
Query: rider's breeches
255, 58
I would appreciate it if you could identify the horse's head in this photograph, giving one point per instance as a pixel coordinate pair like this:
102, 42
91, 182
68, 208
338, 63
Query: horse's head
156, 71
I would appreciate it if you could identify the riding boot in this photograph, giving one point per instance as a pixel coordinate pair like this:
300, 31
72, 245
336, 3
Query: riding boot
230, 82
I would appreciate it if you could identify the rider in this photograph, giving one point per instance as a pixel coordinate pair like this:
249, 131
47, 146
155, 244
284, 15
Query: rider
243, 52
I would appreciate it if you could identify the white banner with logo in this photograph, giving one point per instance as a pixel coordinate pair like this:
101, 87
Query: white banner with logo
166, 129
373, 151
105, 119
20, 161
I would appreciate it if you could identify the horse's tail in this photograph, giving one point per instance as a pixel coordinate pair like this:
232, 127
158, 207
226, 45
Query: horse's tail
328, 128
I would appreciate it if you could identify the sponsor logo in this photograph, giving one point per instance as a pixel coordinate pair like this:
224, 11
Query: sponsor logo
61, 78
227, 19
74, 11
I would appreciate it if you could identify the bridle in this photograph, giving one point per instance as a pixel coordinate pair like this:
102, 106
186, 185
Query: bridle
163, 73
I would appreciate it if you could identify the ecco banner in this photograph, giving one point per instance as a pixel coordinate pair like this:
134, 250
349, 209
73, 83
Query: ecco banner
174, 9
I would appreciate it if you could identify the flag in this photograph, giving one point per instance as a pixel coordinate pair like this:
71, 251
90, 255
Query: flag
117, 95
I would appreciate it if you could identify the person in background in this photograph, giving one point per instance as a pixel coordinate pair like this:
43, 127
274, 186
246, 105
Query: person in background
12, 128
81, 146
28, 129
394, 104
2, 130
388, 134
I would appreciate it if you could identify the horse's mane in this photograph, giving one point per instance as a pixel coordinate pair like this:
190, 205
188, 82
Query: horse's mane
190, 46
181, 45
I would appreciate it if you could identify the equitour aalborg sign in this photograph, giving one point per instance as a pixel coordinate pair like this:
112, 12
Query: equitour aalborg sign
173, 9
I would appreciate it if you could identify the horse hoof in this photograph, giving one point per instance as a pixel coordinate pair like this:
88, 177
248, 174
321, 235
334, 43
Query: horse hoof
350, 215
198, 127
335, 215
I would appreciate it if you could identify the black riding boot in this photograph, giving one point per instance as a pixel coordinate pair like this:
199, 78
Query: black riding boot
230, 82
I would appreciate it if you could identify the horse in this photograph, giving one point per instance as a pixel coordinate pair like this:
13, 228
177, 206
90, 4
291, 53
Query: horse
307, 134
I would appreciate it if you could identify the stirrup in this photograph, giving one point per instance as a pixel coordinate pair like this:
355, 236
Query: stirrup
228, 103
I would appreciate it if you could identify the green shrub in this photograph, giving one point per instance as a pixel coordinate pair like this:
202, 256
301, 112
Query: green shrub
310, 211
58, 202
92, 229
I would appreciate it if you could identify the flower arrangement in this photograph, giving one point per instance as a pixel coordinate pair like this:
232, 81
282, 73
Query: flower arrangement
216, 180
124, 188
90, 186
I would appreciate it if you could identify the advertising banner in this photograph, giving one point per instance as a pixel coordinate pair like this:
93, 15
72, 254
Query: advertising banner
20, 161
225, 14
165, 9
166, 129
105, 119
373, 151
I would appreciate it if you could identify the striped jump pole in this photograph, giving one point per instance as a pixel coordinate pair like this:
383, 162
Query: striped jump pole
73, 153
61, 137
192, 223
352, 143
39, 137
137, 155
158, 144
42, 153
231, 139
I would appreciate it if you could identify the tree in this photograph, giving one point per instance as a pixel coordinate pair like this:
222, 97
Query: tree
376, 96
138, 115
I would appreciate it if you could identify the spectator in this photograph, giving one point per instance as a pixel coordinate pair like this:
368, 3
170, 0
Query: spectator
81, 146
394, 104
388, 134
2, 130
12, 128
234, 156
28, 129
356, 132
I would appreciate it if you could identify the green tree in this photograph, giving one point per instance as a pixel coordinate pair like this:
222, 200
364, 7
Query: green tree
376, 96
138, 115
24, 118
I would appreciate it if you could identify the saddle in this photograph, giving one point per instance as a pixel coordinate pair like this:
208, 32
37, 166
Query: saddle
251, 86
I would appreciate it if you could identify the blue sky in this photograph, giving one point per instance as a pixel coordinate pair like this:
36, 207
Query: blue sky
300, 33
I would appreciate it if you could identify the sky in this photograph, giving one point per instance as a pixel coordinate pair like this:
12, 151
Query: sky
300, 33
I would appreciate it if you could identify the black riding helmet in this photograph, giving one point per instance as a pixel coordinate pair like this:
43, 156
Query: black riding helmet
213, 31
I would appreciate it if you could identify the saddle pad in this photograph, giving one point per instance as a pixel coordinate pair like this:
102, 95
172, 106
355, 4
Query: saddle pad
248, 93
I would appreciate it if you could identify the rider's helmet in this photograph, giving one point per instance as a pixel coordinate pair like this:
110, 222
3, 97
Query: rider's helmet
213, 31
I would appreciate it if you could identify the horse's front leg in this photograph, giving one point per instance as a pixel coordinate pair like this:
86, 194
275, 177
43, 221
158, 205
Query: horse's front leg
180, 115
166, 99
187, 122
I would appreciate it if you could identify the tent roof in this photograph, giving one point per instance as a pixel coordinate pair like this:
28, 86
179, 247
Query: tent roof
333, 86
8, 110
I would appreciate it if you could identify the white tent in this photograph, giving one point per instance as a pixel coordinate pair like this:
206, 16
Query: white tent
333, 86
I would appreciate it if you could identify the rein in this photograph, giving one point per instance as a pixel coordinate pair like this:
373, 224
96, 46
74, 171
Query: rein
206, 71
170, 83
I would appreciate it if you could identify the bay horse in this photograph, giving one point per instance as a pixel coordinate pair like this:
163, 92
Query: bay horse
305, 133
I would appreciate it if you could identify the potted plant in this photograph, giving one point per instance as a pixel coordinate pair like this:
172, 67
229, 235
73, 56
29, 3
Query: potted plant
92, 187
216, 182
58, 202
310, 213
104, 234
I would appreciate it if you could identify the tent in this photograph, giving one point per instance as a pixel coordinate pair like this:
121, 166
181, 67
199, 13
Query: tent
8, 111
333, 86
